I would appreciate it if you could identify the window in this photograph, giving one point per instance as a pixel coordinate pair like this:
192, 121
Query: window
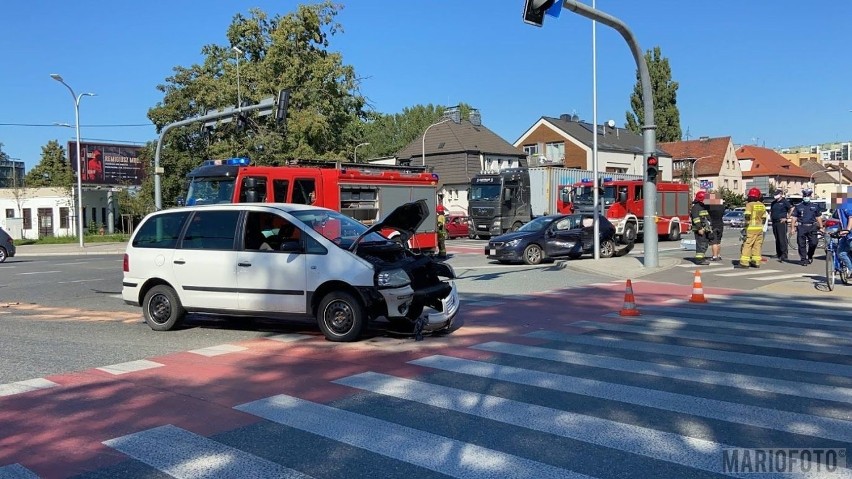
28, 219
531, 149
268, 231
555, 151
63, 217
304, 192
10, 213
211, 230
279, 190
94, 216
253, 189
103, 217
637, 194
736, 185
161, 231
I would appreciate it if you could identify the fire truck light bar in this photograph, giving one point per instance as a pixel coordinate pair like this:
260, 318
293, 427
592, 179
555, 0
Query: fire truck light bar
238, 161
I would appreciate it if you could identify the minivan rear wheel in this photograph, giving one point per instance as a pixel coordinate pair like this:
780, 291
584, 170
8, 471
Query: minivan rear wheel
3, 254
341, 317
162, 308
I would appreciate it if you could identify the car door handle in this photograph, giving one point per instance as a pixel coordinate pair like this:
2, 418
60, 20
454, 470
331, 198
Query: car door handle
244, 264
179, 261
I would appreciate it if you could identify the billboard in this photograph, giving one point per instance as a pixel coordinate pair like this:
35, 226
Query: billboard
107, 164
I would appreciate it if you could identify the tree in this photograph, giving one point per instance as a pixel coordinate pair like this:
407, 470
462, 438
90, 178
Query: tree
52, 170
731, 199
389, 133
290, 51
666, 113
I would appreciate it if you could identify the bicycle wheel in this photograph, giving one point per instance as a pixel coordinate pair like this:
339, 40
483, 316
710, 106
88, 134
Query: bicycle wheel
829, 269
844, 274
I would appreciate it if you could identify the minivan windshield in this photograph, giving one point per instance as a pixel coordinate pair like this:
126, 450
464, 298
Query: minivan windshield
337, 227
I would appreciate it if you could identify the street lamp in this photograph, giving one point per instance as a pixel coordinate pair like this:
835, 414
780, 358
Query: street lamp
694, 161
239, 96
356, 149
423, 151
76, 98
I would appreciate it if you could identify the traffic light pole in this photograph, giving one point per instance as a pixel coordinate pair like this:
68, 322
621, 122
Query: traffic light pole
649, 129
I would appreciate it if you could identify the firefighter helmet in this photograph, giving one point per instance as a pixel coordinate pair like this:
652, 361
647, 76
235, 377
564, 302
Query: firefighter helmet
754, 194
700, 196
440, 209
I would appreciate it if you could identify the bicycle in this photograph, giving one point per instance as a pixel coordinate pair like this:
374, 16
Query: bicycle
833, 265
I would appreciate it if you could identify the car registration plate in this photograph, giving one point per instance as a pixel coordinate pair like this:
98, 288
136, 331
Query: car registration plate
493, 252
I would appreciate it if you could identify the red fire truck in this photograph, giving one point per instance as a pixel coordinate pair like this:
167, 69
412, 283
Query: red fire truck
624, 205
364, 192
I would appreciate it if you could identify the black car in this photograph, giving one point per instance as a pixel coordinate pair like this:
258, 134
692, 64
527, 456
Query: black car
554, 236
7, 247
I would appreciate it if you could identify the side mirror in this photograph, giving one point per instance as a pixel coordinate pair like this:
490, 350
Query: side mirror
622, 197
507, 196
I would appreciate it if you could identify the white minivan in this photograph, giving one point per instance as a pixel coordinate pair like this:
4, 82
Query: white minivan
286, 260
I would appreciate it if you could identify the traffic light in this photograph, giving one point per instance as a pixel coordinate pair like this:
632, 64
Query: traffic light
653, 168
281, 107
534, 11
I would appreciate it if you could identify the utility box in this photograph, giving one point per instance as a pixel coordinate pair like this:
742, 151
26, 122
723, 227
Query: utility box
15, 228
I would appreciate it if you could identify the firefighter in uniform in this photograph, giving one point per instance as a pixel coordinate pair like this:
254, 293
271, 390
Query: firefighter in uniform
755, 217
807, 220
779, 213
700, 217
442, 231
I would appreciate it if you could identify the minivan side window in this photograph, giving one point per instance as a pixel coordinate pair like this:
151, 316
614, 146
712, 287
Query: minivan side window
214, 230
160, 231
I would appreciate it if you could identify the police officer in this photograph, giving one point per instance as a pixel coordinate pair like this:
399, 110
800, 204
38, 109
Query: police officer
779, 213
700, 218
807, 220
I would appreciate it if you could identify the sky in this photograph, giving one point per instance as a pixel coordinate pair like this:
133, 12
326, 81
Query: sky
770, 72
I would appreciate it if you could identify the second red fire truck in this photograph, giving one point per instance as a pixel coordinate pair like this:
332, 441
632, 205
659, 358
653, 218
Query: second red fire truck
364, 192
623, 203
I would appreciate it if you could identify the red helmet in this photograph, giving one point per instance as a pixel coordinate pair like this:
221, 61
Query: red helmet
440, 209
754, 193
700, 196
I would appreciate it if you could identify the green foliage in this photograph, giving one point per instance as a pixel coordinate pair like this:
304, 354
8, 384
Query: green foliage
52, 170
732, 200
93, 238
666, 113
290, 51
389, 133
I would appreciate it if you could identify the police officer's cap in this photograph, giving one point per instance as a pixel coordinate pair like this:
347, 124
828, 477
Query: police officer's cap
807, 192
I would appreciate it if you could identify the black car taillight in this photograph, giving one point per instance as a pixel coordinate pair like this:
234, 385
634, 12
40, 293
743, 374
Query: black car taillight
126, 265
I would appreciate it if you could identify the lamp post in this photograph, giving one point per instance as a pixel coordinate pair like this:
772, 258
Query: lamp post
356, 149
423, 146
239, 95
692, 177
76, 98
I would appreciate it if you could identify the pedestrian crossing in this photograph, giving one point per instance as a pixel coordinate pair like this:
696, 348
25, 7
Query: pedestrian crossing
724, 270
663, 396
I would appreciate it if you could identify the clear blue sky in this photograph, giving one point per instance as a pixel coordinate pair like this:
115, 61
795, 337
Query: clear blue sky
769, 72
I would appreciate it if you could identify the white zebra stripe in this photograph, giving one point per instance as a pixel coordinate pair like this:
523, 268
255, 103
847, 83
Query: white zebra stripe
183, 454
431, 451
16, 471
660, 445
740, 381
789, 314
699, 353
784, 421
718, 338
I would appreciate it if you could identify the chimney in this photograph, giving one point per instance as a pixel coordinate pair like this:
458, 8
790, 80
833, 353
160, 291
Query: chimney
453, 113
475, 117
704, 138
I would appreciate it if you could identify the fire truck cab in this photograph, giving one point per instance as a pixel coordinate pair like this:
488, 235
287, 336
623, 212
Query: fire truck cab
623, 203
363, 192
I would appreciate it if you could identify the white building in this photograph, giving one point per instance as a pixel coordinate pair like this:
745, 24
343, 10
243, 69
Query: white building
32, 213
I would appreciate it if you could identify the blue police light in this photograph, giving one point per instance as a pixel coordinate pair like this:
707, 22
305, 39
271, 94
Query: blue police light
435, 176
586, 180
239, 161
607, 179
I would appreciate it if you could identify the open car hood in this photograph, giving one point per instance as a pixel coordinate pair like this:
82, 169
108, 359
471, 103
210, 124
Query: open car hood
405, 219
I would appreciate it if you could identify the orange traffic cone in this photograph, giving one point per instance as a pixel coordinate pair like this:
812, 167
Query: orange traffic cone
697, 289
629, 308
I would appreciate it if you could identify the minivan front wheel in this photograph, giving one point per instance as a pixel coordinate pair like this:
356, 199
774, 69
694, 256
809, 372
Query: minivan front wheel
340, 317
162, 308
3, 254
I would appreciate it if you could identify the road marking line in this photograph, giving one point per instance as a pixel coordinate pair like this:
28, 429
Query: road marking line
183, 454
40, 272
288, 338
84, 280
773, 362
218, 350
787, 276
661, 445
129, 367
26, 386
717, 338
681, 373
431, 451
693, 265
746, 273
778, 420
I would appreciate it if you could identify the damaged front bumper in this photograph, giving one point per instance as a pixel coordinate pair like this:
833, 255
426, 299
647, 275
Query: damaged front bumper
440, 320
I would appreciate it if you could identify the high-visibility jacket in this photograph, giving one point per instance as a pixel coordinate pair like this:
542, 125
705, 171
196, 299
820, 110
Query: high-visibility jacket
755, 215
